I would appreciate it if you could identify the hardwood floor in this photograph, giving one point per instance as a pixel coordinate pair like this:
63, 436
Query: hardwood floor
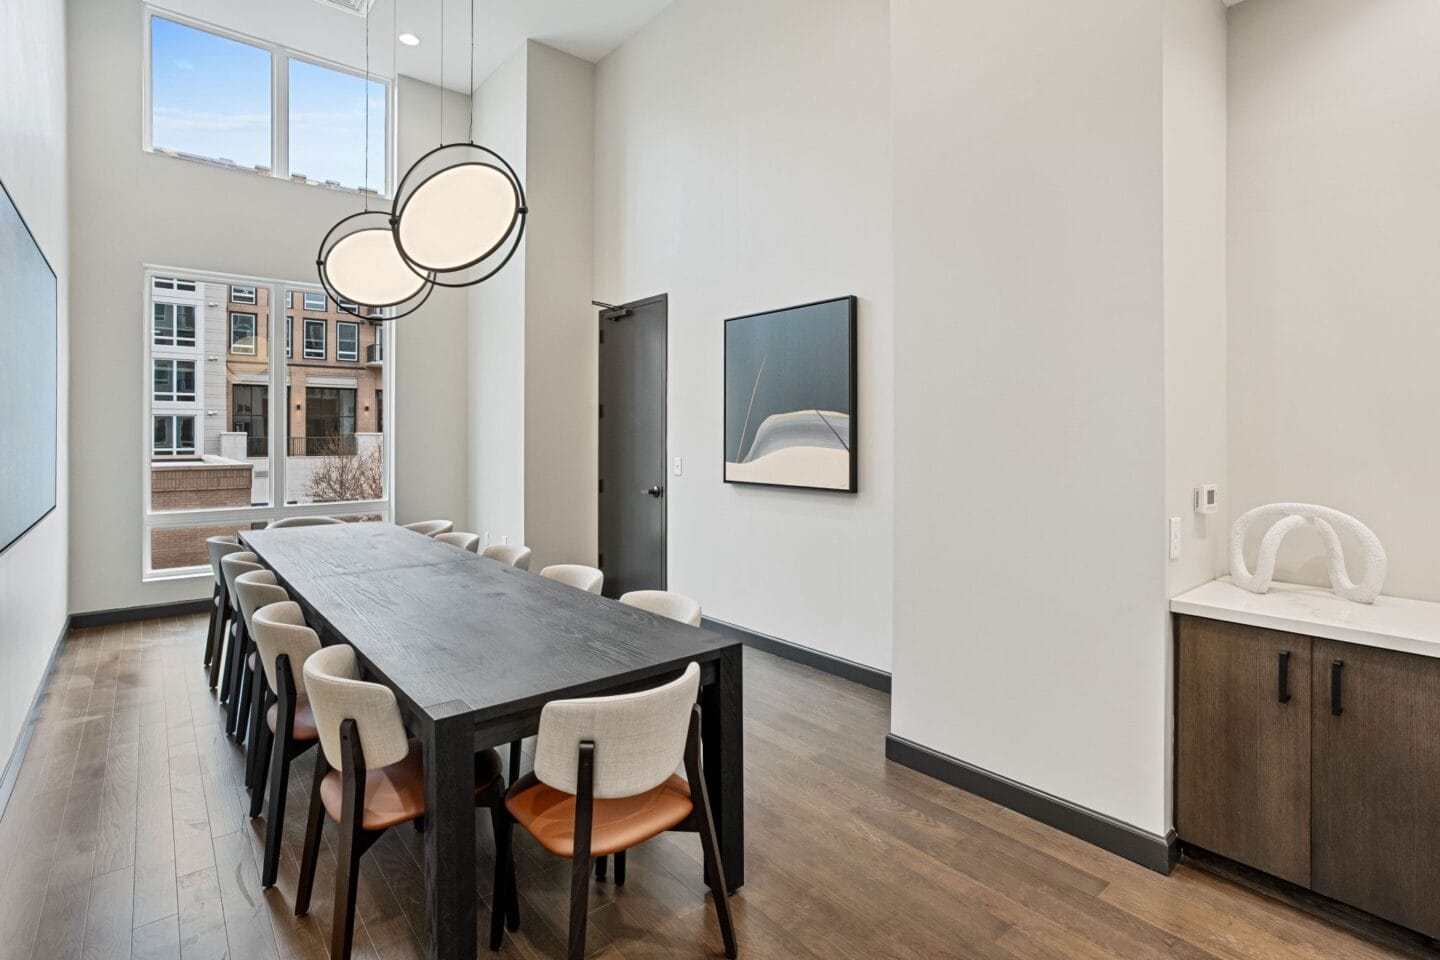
127, 835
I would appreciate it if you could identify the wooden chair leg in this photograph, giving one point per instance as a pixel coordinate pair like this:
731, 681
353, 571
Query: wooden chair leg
514, 761
222, 622
263, 747
579, 906
501, 893
347, 881
210, 633
601, 865
620, 869
241, 727
314, 826
227, 674
580, 862
256, 753
709, 842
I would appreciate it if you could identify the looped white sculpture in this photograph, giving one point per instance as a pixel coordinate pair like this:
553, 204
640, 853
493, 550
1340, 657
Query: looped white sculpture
1288, 516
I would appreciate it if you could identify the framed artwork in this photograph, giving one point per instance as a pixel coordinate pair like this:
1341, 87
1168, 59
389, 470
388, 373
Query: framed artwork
790, 397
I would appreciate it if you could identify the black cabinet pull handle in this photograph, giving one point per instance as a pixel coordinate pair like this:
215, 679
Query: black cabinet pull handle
1335, 706
1283, 694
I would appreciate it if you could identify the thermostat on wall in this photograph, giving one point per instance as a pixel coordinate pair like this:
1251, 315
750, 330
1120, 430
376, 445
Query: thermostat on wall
1205, 498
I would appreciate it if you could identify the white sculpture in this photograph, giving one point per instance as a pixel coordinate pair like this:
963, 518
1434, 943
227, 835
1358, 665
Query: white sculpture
1288, 516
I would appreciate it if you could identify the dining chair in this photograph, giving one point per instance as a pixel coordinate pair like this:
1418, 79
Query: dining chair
283, 643
368, 778
514, 554
257, 589
217, 548
465, 541
237, 644
676, 606
301, 522
604, 781
575, 575
430, 527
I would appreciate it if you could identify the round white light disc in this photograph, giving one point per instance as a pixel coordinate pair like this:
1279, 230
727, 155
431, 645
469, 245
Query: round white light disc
365, 268
456, 217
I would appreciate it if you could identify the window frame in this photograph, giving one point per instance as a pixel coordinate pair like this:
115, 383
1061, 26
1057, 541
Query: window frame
305, 302
280, 57
289, 336
339, 351
174, 395
235, 296
174, 450
305, 353
254, 333
240, 517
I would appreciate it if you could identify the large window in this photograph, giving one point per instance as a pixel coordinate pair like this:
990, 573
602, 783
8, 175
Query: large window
347, 341
314, 339
173, 381
217, 97
221, 455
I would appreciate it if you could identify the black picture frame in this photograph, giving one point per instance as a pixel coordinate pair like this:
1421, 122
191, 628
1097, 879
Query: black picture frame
54, 321
852, 380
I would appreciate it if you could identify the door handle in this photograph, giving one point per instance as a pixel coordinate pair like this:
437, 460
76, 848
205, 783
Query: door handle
1336, 707
656, 491
1283, 694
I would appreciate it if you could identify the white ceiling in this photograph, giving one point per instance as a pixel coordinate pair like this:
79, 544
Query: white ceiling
585, 28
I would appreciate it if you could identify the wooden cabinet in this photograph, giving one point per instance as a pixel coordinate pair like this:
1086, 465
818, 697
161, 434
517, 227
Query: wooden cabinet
1336, 788
1242, 729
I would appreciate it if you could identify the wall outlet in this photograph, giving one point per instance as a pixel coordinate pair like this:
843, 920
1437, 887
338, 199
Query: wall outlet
1174, 538
678, 465
1206, 498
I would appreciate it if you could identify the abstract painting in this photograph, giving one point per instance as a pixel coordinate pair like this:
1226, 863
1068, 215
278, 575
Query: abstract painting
790, 397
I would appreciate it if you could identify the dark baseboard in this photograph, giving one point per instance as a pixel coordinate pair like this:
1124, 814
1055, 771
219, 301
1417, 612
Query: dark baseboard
154, 611
11, 772
1147, 849
824, 662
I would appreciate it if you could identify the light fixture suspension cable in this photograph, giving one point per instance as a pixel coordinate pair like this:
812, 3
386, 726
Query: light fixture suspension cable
442, 72
365, 184
470, 91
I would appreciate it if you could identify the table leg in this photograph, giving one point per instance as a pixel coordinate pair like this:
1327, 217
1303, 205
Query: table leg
723, 738
449, 833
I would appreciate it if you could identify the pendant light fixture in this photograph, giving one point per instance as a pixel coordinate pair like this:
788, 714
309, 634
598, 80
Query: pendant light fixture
358, 262
459, 212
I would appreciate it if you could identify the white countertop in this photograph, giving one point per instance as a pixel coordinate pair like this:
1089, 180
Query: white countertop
1392, 623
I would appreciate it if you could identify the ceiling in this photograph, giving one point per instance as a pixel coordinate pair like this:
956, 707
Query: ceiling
588, 29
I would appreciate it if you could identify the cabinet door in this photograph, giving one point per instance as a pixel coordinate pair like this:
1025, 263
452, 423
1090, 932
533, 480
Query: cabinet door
1376, 821
1242, 757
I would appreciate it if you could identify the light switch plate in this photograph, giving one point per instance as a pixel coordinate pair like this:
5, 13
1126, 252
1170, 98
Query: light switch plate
1174, 538
679, 466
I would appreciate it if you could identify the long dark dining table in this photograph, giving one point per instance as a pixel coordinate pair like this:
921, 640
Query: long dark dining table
473, 649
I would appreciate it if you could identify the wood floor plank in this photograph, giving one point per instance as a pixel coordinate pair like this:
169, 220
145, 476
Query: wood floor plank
202, 917
107, 920
159, 940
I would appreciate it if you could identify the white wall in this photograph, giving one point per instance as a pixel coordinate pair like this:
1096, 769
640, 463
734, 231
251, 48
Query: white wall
743, 163
1334, 286
132, 208
33, 159
1029, 399
431, 416
497, 332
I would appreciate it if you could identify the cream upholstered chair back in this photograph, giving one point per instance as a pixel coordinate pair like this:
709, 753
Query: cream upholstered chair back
337, 694
302, 522
515, 554
430, 527
257, 588
576, 575
234, 564
676, 606
279, 628
639, 737
218, 548
465, 541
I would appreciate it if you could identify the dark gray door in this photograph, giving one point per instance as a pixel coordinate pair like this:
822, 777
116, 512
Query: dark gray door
632, 446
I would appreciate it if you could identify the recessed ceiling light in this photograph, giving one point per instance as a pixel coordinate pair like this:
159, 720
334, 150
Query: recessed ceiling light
409, 39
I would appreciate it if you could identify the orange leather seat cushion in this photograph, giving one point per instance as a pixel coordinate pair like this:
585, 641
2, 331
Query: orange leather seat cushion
619, 824
396, 794
304, 728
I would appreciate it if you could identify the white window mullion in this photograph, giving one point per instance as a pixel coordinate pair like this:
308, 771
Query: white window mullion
280, 105
279, 403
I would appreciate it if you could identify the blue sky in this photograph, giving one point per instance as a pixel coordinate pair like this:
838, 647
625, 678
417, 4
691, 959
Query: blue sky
212, 98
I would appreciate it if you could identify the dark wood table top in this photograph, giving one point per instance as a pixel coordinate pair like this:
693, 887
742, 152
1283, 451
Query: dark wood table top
453, 632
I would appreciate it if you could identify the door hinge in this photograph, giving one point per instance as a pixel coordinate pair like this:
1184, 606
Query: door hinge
602, 334
600, 561
602, 411
602, 486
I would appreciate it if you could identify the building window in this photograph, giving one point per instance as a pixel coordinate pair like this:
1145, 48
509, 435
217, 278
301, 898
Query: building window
242, 294
172, 283
250, 415
314, 339
376, 353
216, 97
289, 335
379, 410
173, 381
347, 341
242, 333
315, 301
173, 324
173, 436
329, 421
